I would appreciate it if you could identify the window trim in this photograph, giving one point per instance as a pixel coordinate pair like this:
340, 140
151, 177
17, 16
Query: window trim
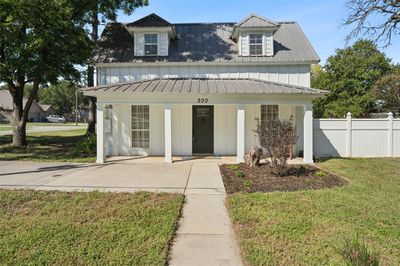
156, 43
140, 129
261, 44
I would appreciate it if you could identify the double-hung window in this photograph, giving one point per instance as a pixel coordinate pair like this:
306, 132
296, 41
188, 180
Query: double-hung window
140, 126
269, 113
150, 44
255, 44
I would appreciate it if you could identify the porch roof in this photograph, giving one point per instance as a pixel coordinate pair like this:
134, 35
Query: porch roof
203, 86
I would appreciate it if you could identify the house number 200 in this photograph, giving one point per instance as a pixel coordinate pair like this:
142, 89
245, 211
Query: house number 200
202, 100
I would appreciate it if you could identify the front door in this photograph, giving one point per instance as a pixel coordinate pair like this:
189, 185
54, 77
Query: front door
203, 129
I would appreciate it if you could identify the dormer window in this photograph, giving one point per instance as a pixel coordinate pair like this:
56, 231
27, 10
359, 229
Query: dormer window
256, 44
150, 44
255, 36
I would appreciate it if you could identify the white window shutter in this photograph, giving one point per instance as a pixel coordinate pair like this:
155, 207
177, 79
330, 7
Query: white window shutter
244, 44
139, 44
268, 44
163, 42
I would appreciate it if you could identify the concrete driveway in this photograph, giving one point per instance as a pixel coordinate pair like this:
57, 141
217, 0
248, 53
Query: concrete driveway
205, 235
118, 175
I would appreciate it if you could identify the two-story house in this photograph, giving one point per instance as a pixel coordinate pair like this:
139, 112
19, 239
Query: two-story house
196, 88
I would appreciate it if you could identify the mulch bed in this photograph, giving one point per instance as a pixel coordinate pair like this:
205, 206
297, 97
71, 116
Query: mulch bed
241, 178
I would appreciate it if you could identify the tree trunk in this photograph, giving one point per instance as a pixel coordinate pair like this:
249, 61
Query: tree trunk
19, 135
17, 119
91, 129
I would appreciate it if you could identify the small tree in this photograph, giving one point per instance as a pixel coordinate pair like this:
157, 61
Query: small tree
387, 90
277, 138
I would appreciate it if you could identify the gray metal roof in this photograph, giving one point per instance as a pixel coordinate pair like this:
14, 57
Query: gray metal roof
255, 21
204, 86
202, 42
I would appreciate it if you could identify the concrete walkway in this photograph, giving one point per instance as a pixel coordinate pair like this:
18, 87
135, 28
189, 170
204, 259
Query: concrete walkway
205, 235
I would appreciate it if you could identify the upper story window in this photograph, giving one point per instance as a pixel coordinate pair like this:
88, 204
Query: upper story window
256, 44
150, 44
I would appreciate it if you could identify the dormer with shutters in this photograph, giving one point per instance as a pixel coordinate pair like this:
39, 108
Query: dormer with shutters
255, 36
152, 35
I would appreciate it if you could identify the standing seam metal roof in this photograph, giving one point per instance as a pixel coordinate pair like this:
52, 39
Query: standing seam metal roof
204, 86
204, 42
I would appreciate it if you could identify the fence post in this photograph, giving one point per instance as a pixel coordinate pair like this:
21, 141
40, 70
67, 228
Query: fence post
348, 135
390, 141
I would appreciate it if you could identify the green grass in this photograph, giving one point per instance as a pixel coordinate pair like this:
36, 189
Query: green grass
306, 228
45, 146
60, 228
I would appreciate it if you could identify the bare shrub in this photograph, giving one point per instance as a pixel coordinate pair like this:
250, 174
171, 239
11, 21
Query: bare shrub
253, 157
277, 137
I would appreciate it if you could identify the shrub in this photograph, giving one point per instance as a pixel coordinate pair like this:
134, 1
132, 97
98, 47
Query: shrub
86, 147
320, 173
248, 184
277, 139
233, 167
355, 252
239, 173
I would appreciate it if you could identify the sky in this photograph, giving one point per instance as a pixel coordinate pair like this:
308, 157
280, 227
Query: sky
320, 19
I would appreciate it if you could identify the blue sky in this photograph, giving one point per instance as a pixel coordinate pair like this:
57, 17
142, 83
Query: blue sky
320, 19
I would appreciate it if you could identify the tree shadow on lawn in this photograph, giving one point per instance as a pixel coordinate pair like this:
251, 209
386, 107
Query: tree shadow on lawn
42, 147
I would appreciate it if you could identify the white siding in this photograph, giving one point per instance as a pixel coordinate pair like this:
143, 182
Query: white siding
253, 111
295, 75
225, 129
182, 129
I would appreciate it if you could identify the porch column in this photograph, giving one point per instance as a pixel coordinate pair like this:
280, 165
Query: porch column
100, 134
168, 132
308, 134
240, 134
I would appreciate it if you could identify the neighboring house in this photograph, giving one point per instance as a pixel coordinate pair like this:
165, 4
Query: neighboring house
196, 88
37, 112
47, 110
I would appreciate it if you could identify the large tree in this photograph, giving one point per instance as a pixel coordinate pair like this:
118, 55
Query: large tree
348, 76
375, 19
40, 41
63, 97
102, 11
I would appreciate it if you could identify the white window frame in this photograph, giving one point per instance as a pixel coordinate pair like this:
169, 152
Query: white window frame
269, 112
151, 43
140, 125
258, 44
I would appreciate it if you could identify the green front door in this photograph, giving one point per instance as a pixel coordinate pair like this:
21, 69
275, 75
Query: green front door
203, 129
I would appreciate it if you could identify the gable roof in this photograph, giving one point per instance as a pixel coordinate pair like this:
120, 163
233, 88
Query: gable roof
7, 103
203, 86
152, 20
205, 42
256, 21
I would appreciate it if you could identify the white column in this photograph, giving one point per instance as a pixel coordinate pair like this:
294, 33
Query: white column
116, 120
240, 134
168, 132
308, 134
348, 134
390, 141
100, 134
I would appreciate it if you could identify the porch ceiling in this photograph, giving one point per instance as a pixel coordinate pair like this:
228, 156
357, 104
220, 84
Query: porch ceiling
203, 86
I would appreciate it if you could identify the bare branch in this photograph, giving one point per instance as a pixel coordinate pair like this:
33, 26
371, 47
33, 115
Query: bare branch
362, 17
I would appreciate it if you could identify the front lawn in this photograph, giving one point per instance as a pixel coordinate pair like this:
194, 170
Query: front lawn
307, 227
46, 146
60, 228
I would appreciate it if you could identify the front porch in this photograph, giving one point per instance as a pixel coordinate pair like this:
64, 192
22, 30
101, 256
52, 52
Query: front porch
185, 117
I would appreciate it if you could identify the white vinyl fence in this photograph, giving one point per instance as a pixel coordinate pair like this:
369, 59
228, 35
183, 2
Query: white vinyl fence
357, 137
